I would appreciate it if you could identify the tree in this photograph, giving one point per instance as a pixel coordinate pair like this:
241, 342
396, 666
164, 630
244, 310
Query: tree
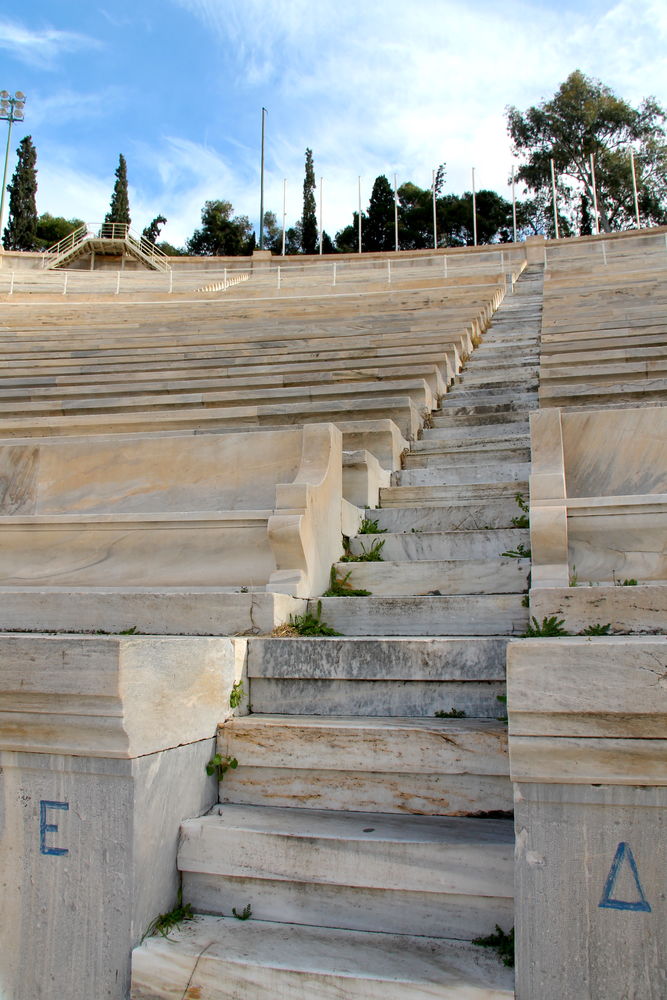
585, 117
347, 238
119, 210
20, 231
273, 234
152, 230
309, 217
293, 239
52, 229
378, 233
220, 234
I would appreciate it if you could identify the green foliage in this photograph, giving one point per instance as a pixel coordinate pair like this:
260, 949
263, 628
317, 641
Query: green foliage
273, 234
520, 552
454, 713
597, 629
152, 230
501, 942
21, 229
309, 217
221, 235
552, 626
374, 554
119, 210
370, 527
218, 765
245, 913
133, 630
308, 625
628, 583
166, 922
585, 117
502, 698
341, 587
51, 229
525, 601
378, 232
236, 695
522, 520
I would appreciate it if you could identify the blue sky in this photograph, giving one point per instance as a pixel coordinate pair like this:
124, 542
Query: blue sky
372, 86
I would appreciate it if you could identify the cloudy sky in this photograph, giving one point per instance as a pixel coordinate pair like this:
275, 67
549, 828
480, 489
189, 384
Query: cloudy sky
372, 86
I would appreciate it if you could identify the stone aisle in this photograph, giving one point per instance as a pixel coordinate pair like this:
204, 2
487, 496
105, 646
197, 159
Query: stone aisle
371, 838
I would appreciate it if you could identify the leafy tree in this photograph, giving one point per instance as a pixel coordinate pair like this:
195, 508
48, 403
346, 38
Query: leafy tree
309, 217
273, 233
415, 217
585, 117
347, 239
119, 210
20, 231
328, 245
52, 229
378, 233
293, 239
535, 217
152, 230
455, 219
171, 251
221, 235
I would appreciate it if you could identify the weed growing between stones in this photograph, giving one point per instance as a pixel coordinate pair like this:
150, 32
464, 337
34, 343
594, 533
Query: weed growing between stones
166, 922
309, 625
374, 554
550, 627
501, 942
341, 587
596, 629
219, 765
502, 698
521, 521
453, 713
245, 913
520, 552
236, 695
370, 527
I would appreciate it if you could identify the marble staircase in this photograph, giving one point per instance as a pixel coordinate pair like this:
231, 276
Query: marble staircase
368, 824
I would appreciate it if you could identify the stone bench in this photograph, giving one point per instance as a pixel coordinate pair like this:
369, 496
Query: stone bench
260, 510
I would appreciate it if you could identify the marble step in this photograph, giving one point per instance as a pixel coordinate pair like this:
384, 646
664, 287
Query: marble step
377, 677
450, 877
438, 455
510, 403
221, 958
484, 614
437, 438
491, 380
461, 474
460, 396
482, 515
429, 496
441, 544
426, 766
480, 421
426, 577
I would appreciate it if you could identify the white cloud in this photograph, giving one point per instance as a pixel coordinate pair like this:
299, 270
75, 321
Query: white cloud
40, 47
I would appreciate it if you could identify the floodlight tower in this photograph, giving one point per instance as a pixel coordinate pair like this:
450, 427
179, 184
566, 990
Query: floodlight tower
11, 110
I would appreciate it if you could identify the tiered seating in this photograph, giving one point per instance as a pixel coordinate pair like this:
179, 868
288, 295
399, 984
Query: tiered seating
604, 335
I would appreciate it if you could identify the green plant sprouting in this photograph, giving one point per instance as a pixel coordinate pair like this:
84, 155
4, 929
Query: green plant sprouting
370, 527
521, 521
454, 713
218, 765
245, 913
502, 943
520, 552
166, 922
309, 624
550, 627
596, 629
236, 694
339, 586
374, 554
502, 698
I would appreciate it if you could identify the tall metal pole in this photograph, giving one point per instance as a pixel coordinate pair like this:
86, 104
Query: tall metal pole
359, 213
634, 186
261, 189
284, 212
553, 193
395, 214
435, 222
321, 228
595, 197
513, 206
474, 210
4, 176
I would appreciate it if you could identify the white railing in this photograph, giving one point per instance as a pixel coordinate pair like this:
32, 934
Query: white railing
115, 231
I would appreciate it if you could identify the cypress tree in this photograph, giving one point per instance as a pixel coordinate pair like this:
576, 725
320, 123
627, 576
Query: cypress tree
21, 229
309, 217
119, 210
379, 232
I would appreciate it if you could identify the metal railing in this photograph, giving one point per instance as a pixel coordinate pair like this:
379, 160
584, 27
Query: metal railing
116, 231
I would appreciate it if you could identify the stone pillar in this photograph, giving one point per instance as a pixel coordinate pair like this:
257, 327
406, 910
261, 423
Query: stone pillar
104, 742
588, 728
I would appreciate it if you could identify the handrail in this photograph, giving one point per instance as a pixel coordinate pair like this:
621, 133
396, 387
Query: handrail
68, 242
120, 231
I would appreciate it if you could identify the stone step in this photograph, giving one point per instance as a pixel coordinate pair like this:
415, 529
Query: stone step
464, 474
439, 456
427, 766
480, 421
474, 397
504, 404
437, 438
441, 544
494, 381
485, 614
221, 958
481, 393
457, 870
430, 496
377, 677
463, 516
428, 577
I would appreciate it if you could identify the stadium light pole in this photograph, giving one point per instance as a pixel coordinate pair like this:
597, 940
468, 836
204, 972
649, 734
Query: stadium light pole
11, 110
474, 209
359, 213
513, 205
321, 211
284, 211
595, 197
553, 193
634, 186
435, 218
396, 213
261, 188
